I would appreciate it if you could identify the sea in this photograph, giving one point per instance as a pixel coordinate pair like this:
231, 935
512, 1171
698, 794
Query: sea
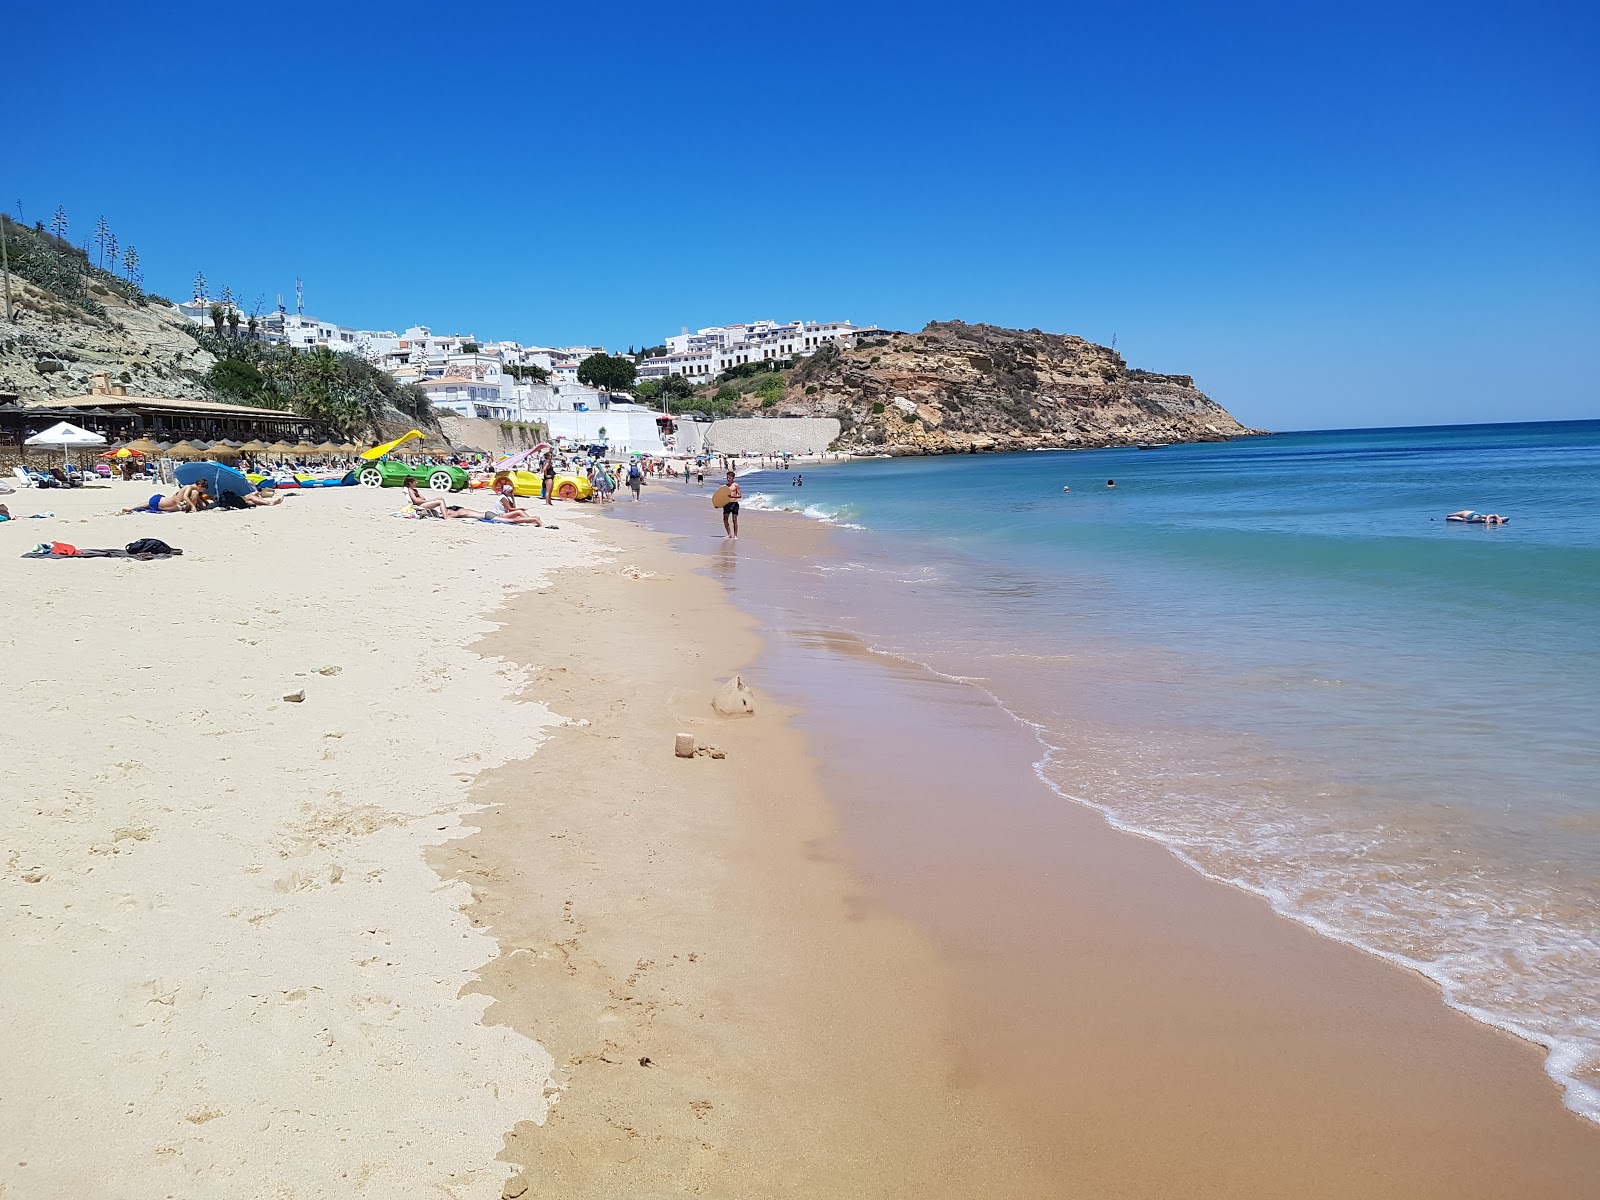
1275, 657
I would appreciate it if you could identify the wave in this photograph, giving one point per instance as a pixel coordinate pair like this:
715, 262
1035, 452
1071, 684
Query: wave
837, 514
1571, 1053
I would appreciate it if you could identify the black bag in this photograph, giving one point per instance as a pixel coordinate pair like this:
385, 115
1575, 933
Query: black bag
148, 546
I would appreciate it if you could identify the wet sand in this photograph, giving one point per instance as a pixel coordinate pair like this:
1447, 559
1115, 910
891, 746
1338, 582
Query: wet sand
1138, 1029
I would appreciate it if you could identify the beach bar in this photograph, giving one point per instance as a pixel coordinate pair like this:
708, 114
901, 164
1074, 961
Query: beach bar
119, 417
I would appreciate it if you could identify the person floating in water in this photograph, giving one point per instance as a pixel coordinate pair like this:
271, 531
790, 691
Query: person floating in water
1111, 483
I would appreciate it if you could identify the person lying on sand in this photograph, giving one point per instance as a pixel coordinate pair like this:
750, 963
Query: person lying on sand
191, 498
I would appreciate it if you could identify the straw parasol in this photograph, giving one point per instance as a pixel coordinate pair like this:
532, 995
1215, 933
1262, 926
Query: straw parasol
222, 450
143, 446
303, 448
254, 447
280, 448
188, 450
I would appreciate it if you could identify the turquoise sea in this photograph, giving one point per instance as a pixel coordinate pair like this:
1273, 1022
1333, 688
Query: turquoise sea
1277, 658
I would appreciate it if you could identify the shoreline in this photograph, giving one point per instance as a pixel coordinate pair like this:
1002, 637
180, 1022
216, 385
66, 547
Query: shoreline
1561, 1031
1505, 1089
724, 1014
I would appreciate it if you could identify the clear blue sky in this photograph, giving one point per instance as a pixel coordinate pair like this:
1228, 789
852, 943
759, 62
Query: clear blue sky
1329, 215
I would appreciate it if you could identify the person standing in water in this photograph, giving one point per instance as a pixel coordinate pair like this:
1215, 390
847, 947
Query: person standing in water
730, 510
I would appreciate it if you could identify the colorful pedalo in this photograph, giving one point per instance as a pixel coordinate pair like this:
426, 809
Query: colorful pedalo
304, 481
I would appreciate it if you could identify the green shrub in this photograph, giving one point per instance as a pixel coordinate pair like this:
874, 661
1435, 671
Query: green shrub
235, 377
877, 407
768, 401
909, 418
811, 389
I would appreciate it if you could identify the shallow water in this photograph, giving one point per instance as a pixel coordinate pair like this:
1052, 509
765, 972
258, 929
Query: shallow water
1275, 657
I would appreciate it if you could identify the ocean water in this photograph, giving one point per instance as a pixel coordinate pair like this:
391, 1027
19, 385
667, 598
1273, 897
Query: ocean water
1276, 657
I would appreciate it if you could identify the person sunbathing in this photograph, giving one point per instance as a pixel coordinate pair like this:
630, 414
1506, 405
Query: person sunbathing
505, 508
422, 507
191, 498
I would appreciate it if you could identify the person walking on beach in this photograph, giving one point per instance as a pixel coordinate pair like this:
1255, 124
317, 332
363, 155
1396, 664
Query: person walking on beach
550, 479
730, 510
635, 478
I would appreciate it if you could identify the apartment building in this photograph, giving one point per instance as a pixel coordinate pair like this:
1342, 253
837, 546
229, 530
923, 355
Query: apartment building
706, 353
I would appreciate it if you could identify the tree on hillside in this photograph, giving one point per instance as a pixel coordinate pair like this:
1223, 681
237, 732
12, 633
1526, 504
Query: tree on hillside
111, 252
58, 223
201, 287
130, 264
102, 231
218, 315
606, 373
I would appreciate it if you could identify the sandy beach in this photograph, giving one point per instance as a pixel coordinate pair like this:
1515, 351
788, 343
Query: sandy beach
459, 923
230, 969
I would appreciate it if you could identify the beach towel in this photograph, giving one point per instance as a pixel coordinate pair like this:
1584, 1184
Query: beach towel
133, 550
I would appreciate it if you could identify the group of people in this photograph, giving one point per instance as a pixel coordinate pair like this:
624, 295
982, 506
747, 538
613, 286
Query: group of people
197, 497
503, 507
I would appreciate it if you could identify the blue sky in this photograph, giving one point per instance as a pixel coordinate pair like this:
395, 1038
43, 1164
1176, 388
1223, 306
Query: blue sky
1329, 215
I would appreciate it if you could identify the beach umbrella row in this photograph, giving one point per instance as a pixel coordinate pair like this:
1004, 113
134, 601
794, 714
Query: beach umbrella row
196, 449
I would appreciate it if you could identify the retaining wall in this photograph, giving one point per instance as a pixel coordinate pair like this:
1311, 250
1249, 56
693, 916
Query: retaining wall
771, 435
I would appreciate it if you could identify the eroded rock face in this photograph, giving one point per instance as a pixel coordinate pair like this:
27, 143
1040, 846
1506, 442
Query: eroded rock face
54, 349
956, 387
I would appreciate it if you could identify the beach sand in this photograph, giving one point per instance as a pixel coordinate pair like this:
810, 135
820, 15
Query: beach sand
229, 968
459, 923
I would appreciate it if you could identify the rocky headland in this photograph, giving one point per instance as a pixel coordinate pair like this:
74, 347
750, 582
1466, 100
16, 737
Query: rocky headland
959, 388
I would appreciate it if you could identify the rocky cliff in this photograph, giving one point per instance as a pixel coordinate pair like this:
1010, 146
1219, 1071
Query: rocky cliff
956, 387
54, 349
74, 318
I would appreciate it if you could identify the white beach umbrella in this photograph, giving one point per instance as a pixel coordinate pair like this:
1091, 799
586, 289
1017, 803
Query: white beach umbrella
67, 436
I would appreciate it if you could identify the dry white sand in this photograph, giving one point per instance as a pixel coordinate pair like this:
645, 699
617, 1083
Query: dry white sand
229, 970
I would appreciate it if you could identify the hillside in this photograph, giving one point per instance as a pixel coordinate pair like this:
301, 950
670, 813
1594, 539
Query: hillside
74, 319
955, 387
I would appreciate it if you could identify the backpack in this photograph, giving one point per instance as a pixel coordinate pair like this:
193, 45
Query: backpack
634, 473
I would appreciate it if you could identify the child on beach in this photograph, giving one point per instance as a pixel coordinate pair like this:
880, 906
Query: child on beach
730, 510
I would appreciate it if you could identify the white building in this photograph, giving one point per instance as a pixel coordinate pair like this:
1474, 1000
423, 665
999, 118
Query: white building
468, 397
706, 353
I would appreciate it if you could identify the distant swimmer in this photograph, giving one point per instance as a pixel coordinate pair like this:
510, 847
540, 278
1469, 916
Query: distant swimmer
1066, 489
1467, 516
1111, 483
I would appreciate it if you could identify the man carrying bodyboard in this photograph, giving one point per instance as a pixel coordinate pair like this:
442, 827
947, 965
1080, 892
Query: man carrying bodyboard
727, 498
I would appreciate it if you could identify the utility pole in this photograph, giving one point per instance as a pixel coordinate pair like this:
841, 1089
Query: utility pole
5, 269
